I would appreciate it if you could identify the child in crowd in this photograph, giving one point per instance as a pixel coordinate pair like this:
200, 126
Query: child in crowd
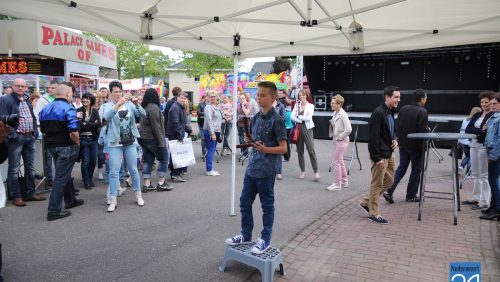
269, 143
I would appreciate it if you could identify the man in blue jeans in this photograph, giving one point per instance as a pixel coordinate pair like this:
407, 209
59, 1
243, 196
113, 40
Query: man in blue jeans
59, 125
269, 143
21, 142
412, 118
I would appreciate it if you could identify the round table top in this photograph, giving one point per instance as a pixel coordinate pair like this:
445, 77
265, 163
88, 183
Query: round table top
358, 122
438, 120
441, 136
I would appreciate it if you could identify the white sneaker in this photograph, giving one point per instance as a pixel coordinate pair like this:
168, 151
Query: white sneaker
279, 176
108, 201
100, 177
345, 184
316, 177
302, 175
213, 173
121, 191
112, 204
140, 200
334, 187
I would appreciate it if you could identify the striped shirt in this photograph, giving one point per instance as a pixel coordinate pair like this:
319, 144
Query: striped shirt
25, 118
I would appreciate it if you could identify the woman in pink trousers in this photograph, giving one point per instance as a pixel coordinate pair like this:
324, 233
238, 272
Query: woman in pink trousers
340, 128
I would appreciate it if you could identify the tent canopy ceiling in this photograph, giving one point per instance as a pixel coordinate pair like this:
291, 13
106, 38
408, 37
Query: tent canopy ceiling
276, 27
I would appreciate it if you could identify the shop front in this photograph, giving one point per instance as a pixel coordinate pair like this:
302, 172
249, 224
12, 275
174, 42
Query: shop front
40, 53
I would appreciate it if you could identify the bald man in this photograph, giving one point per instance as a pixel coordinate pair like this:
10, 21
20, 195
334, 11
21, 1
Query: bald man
21, 142
59, 125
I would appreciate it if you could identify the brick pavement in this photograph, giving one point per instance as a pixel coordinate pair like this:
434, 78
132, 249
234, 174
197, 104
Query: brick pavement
343, 245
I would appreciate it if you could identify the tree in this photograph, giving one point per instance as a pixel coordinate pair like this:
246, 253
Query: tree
129, 55
198, 64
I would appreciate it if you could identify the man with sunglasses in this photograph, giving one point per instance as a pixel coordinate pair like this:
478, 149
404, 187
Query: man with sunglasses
21, 142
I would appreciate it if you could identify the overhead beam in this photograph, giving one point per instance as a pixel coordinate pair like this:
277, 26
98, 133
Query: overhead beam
360, 10
297, 9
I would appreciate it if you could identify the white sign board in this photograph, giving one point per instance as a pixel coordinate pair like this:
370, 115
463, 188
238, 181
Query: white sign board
61, 43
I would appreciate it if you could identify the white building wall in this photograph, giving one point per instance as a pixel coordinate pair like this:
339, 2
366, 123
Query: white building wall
179, 78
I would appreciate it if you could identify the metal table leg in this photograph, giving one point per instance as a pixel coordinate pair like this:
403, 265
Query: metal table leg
425, 154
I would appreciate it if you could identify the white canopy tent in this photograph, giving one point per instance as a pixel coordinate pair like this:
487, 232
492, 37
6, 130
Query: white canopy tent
256, 28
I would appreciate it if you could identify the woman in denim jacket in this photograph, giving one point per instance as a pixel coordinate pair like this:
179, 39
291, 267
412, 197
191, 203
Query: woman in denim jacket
120, 139
492, 143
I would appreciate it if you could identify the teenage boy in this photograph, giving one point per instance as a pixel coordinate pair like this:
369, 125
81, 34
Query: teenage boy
269, 137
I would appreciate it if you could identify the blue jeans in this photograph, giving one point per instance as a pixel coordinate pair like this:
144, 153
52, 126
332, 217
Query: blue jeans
64, 159
150, 151
116, 154
466, 160
265, 188
23, 146
89, 149
405, 157
49, 162
210, 145
101, 157
241, 136
494, 179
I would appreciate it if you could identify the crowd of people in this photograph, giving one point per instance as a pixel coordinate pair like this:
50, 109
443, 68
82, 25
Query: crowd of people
121, 134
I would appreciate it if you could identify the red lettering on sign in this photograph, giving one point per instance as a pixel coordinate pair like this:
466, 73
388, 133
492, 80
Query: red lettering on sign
80, 54
57, 39
12, 67
111, 54
47, 34
87, 56
66, 42
3, 67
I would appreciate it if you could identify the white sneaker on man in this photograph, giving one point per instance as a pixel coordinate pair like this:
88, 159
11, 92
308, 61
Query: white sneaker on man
213, 173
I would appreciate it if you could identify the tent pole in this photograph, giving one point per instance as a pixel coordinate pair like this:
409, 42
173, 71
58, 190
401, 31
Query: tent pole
233, 133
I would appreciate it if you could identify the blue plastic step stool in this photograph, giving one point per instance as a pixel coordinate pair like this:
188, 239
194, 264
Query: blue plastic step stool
267, 263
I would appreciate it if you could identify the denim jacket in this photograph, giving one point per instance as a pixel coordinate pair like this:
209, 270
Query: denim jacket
492, 140
113, 121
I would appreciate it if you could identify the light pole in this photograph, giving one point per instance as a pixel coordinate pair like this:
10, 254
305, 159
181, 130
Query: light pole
142, 68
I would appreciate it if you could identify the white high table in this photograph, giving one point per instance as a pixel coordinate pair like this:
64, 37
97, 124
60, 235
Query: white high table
431, 137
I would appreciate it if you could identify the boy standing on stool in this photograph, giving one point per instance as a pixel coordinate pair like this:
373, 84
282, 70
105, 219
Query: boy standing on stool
269, 137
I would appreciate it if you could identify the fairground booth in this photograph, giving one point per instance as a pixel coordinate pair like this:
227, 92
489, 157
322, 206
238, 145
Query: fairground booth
40, 53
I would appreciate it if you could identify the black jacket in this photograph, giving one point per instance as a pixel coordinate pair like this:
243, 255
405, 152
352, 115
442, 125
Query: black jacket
9, 104
167, 110
478, 131
92, 125
176, 124
412, 118
380, 140
200, 113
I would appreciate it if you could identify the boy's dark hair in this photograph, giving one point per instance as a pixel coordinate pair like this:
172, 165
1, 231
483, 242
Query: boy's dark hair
269, 85
389, 90
176, 91
486, 94
103, 88
115, 83
418, 95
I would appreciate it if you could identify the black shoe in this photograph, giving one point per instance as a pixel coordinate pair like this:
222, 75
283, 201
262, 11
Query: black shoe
164, 187
413, 199
378, 220
468, 202
388, 198
148, 188
365, 208
491, 215
91, 184
485, 211
86, 186
75, 204
58, 215
478, 207
76, 190
38, 176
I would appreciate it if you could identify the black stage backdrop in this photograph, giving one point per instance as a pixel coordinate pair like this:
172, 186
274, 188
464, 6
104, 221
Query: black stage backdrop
452, 76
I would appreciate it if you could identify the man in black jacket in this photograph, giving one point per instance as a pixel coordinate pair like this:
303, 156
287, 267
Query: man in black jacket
176, 128
381, 146
412, 118
175, 92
